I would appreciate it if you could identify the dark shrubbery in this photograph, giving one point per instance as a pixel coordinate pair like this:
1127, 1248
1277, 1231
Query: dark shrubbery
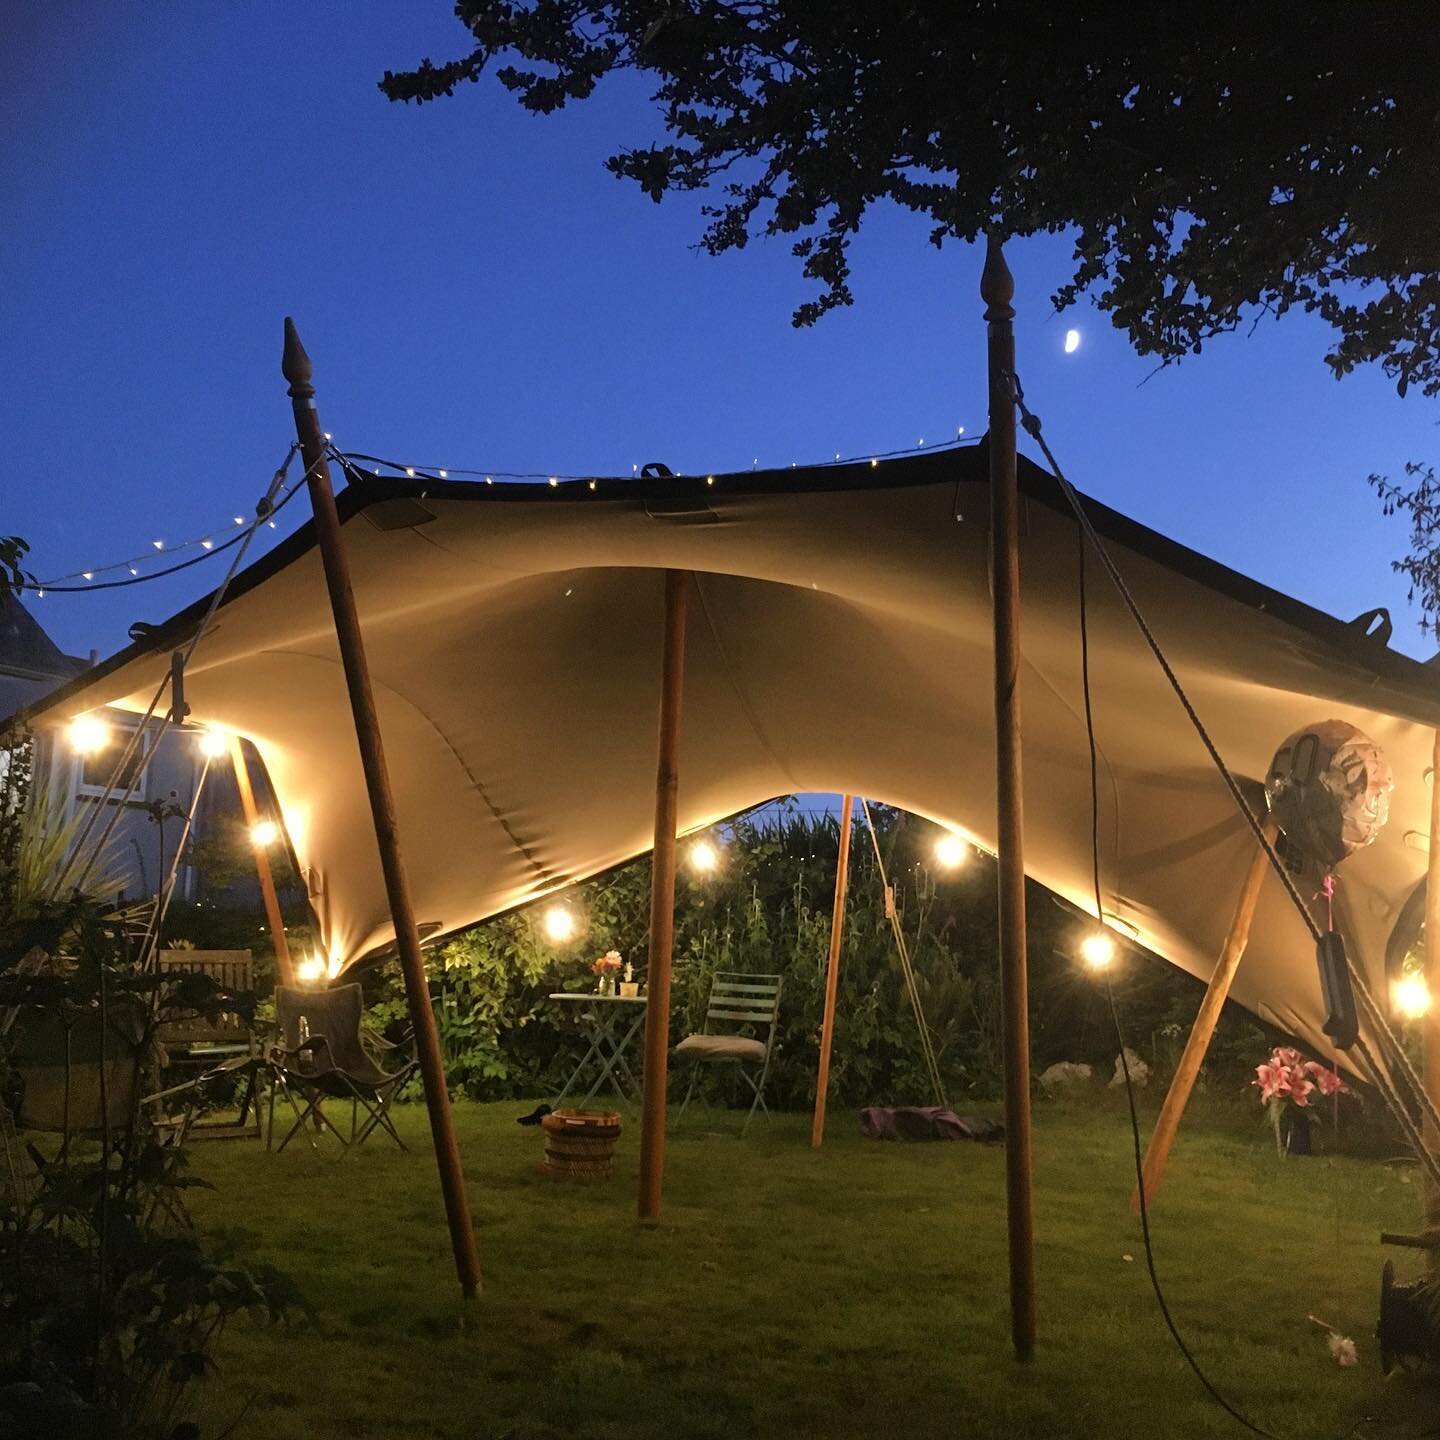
766, 909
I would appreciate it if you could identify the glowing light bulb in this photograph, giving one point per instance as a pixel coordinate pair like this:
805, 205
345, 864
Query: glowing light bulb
1411, 996
1072, 341
553, 482
444, 474
561, 926
207, 544
158, 544
310, 970
592, 484
264, 833
88, 574
88, 734
213, 744
239, 519
1097, 950
410, 471
951, 851
704, 858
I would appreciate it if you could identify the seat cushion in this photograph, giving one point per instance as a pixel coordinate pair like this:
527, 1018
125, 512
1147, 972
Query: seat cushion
721, 1047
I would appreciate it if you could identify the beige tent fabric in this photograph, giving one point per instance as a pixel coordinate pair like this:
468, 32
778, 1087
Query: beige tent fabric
839, 641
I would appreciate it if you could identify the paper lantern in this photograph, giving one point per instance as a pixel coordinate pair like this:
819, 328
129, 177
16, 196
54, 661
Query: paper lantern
1329, 790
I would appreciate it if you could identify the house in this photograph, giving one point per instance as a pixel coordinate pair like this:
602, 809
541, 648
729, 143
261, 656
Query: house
72, 771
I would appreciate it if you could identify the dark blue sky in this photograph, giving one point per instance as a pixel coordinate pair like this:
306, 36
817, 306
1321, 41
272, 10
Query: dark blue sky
476, 290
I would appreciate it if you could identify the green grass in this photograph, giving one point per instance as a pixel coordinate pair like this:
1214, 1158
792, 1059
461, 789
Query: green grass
857, 1291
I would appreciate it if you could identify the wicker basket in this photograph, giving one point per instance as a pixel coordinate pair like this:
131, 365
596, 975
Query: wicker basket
580, 1144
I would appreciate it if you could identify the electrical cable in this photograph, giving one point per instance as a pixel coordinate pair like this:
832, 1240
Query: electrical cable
444, 472
1397, 1060
48, 589
1136, 1143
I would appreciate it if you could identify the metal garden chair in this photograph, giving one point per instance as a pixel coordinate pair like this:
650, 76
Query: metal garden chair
322, 1055
741, 1021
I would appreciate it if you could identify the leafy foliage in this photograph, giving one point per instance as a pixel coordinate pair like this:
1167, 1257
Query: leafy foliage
767, 910
1420, 502
13, 551
109, 1302
1213, 168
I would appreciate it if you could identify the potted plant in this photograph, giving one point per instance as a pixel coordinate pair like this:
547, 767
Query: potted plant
1287, 1082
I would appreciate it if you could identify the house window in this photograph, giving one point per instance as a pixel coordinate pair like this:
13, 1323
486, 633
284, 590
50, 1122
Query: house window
95, 769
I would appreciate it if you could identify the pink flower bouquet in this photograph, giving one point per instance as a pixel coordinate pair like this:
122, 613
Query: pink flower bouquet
1287, 1079
608, 964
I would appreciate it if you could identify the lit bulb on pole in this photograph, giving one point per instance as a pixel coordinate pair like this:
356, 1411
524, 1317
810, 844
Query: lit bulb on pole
213, 744
704, 858
88, 734
951, 851
561, 926
1097, 950
264, 833
1412, 996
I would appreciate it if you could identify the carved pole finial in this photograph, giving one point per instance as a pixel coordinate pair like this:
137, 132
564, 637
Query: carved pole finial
997, 285
295, 364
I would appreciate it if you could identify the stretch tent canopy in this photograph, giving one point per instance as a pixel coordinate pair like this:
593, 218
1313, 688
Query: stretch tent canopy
839, 639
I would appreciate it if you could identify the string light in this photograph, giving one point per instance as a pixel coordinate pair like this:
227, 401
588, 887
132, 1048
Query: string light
207, 544
592, 484
1097, 950
88, 734
264, 833
704, 857
561, 926
1411, 996
553, 482
1072, 341
951, 851
310, 970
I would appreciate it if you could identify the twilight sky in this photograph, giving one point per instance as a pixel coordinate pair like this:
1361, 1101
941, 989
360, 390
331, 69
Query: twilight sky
475, 290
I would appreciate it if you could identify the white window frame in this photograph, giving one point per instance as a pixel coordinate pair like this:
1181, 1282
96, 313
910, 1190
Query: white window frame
124, 727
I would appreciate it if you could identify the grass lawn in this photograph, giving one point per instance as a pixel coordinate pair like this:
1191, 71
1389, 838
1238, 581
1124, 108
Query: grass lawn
857, 1291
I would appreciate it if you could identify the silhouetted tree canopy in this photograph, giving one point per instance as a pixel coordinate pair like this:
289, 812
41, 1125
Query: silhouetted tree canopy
1215, 162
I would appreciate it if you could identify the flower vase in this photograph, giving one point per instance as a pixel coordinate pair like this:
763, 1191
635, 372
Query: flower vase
1297, 1133
607, 985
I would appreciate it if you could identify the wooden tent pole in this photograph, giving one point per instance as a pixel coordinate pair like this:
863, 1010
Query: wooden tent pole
832, 972
997, 289
1157, 1154
1431, 1022
297, 370
284, 967
662, 900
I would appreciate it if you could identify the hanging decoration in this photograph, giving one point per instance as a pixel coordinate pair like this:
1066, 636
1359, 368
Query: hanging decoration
1329, 790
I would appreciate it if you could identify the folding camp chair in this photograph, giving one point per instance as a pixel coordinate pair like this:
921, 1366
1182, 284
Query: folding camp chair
743, 1005
322, 1056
